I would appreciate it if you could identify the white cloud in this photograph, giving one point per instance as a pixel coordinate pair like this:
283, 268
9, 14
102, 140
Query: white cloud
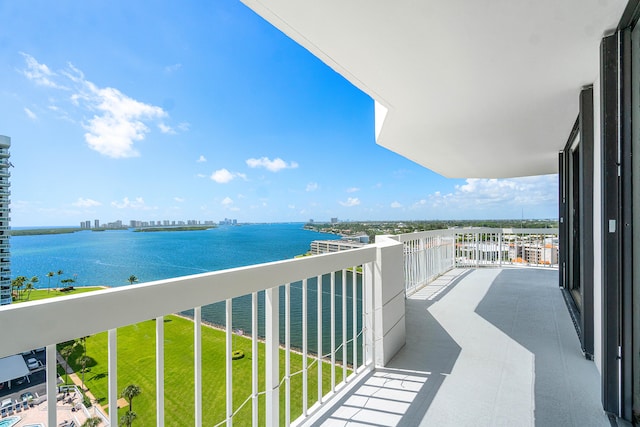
291, 206
40, 74
137, 204
274, 165
507, 196
121, 123
242, 176
178, 199
184, 126
30, 113
396, 205
351, 201
201, 159
117, 120
312, 186
166, 129
201, 175
227, 201
86, 203
352, 190
172, 68
222, 176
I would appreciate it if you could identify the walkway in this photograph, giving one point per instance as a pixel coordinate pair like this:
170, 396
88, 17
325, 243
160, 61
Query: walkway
488, 347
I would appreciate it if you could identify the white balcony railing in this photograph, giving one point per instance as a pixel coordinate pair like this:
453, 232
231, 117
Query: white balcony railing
359, 331
429, 254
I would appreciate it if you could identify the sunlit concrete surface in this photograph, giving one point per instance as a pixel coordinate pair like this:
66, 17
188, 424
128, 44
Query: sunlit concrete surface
487, 347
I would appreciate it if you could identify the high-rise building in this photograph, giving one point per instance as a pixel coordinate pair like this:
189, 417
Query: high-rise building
5, 270
96, 223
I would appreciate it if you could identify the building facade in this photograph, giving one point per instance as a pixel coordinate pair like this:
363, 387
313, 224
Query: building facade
5, 266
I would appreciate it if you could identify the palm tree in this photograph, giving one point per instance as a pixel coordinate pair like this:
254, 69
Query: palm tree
31, 285
132, 279
91, 422
60, 272
49, 275
17, 285
128, 418
129, 392
65, 353
82, 361
28, 287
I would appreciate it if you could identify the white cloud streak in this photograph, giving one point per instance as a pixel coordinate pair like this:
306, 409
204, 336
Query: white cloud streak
117, 122
201, 159
312, 186
86, 203
137, 204
351, 201
30, 114
274, 165
40, 74
166, 129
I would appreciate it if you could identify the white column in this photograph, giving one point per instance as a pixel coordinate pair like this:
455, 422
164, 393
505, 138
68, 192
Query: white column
52, 386
344, 324
228, 360
319, 337
332, 294
159, 371
368, 336
388, 300
197, 356
272, 363
112, 337
354, 315
287, 354
305, 384
254, 358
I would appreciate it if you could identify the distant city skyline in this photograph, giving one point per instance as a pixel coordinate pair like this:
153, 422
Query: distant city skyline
204, 110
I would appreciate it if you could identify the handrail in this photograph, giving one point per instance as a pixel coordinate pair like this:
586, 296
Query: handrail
429, 254
44, 322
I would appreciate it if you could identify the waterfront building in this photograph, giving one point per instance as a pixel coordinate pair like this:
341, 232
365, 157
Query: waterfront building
96, 223
5, 252
328, 246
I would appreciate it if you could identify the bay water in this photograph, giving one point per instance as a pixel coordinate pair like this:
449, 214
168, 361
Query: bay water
109, 258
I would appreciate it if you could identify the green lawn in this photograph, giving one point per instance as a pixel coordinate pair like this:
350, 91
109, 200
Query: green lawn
136, 364
38, 294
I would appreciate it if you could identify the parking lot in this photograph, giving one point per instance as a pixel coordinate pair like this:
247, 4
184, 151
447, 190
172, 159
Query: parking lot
34, 383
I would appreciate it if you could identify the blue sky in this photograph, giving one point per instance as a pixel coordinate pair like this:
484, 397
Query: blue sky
202, 110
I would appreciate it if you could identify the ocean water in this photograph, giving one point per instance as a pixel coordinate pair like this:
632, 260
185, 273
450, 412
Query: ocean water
108, 258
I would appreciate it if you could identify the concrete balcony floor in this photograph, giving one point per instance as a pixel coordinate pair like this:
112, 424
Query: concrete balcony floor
487, 347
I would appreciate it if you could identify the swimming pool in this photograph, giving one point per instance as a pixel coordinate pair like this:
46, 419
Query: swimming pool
8, 422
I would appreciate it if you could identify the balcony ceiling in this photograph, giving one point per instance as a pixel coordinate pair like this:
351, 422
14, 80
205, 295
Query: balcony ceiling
484, 88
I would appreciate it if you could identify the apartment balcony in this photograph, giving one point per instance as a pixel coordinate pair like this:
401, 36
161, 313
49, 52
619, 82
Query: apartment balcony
431, 336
